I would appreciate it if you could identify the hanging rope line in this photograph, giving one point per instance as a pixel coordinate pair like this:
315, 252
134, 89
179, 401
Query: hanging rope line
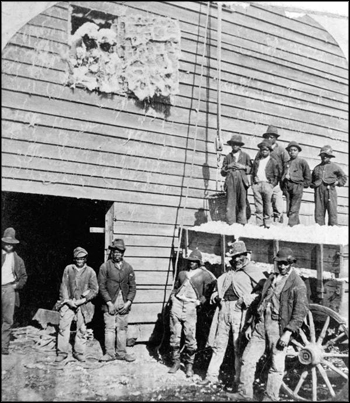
218, 142
195, 140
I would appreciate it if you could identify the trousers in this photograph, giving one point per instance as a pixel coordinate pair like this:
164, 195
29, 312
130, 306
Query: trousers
294, 193
229, 319
183, 316
326, 201
8, 296
263, 205
266, 333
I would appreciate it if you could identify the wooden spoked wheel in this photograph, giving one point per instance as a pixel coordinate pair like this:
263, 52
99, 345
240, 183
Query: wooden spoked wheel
317, 358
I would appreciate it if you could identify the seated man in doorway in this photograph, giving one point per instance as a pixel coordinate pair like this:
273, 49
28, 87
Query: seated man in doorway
78, 287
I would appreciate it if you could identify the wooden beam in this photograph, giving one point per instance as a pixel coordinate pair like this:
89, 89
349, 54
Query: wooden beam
320, 268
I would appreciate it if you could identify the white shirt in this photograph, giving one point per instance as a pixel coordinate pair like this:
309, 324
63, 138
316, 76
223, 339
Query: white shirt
236, 155
261, 174
7, 275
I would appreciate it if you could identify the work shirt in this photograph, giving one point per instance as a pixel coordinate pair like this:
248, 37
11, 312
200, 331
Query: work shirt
297, 171
328, 173
7, 275
186, 291
261, 169
281, 157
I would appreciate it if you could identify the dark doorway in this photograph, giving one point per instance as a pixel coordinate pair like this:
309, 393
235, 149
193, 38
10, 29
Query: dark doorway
49, 228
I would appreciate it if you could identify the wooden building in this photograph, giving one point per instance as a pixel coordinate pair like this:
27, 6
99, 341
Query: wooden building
80, 167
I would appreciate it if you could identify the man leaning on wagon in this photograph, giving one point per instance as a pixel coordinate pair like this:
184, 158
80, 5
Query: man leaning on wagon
235, 290
281, 311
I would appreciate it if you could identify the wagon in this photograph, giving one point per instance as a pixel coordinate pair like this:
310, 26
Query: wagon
317, 357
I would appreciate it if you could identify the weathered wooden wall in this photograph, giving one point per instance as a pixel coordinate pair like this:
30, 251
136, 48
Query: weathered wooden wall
158, 168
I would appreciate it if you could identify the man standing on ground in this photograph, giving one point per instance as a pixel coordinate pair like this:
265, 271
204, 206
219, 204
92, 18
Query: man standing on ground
13, 279
118, 289
281, 311
191, 289
235, 290
281, 156
78, 287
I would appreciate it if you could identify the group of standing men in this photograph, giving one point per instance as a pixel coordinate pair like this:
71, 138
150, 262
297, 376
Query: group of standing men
79, 286
266, 311
275, 171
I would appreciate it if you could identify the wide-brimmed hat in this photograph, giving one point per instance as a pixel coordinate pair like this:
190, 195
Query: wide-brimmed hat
236, 139
79, 252
195, 256
327, 150
293, 144
10, 236
266, 143
271, 130
285, 254
117, 244
237, 248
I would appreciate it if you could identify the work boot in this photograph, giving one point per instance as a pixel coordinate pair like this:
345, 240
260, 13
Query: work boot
125, 357
79, 357
175, 367
60, 358
106, 358
238, 397
189, 370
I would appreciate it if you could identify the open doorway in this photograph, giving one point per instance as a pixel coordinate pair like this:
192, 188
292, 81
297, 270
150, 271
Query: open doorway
49, 228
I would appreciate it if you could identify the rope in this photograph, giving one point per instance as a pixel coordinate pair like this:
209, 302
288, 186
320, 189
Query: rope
195, 139
219, 140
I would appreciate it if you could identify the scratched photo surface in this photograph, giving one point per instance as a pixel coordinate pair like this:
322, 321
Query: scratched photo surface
152, 152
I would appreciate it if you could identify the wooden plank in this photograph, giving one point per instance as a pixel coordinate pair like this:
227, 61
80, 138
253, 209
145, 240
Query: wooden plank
151, 296
126, 228
205, 242
150, 278
320, 269
155, 263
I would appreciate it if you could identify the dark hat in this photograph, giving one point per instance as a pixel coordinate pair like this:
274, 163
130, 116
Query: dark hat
117, 244
266, 143
236, 139
10, 236
238, 248
285, 254
328, 151
293, 144
79, 252
195, 256
271, 130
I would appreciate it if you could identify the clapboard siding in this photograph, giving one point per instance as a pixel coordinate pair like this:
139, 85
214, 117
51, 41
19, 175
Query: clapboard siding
159, 169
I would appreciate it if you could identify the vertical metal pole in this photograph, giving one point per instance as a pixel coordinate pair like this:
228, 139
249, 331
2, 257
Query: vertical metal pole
276, 246
320, 268
223, 252
218, 139
109, 221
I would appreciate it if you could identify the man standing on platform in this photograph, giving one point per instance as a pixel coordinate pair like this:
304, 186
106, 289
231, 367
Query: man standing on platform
281, 156
235, 168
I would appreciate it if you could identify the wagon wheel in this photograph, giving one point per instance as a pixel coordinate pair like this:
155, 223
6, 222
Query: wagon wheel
317, 358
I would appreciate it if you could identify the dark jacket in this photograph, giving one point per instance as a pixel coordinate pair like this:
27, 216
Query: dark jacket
294, 304
74, 287
271, 170
111, 280
203, 283
243, 159
20, 274
328, 173
281, 156
299, 171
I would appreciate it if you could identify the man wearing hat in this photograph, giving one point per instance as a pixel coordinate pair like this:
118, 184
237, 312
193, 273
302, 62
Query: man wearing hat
281, 311
117, 283
265, 176
13, 279
235, 290
296, 176
236, 167
281, 156
191, 289
325, 177
78, 287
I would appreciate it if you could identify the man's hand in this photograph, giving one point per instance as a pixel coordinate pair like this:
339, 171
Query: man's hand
248, 333
284, 340
71, 304
111, 308
125, 308
80, 301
